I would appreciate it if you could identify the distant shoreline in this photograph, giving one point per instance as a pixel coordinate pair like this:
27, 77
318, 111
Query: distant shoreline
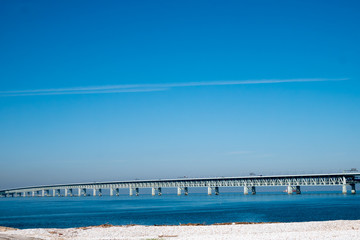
340, 229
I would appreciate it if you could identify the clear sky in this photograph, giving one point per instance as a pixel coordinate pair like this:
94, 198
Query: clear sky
117, 90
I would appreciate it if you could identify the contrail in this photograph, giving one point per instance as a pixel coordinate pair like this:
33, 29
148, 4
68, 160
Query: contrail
152, 87
39, 93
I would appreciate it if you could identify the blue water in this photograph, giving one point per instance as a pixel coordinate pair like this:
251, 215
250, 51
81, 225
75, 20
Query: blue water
171, 209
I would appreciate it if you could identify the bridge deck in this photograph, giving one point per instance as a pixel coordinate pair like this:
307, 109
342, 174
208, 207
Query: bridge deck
292, 181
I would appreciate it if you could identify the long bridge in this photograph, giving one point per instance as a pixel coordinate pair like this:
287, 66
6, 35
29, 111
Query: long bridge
293, 183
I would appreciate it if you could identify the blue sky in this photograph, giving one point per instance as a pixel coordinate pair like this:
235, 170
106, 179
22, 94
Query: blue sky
117, 90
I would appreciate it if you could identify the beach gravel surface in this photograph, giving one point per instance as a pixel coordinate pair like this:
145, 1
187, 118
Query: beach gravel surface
343, 229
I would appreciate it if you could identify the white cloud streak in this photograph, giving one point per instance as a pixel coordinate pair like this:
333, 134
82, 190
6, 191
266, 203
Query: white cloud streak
132, 88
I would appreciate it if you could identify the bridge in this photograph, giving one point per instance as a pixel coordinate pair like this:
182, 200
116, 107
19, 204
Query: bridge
293, 183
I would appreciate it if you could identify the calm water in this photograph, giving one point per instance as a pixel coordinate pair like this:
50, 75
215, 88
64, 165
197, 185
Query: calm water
172, 209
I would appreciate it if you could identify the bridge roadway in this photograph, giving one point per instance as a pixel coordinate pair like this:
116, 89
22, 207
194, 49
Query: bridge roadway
249, 184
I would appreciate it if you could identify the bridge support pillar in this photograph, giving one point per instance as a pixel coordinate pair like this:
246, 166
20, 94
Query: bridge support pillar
66, 192
33, 193
53, 193
253, 190
353, 189
289, 189
94, 192
179, 189
43, 193
24, 194
111, 192
132, 191
79, 192
344, 189
298, 190
153, 191
215, 189
246, 190
159, 191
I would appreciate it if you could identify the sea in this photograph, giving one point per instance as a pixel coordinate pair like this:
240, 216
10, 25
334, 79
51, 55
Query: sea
170, 209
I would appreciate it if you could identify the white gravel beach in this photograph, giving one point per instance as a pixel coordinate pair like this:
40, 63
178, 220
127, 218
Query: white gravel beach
342, 229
